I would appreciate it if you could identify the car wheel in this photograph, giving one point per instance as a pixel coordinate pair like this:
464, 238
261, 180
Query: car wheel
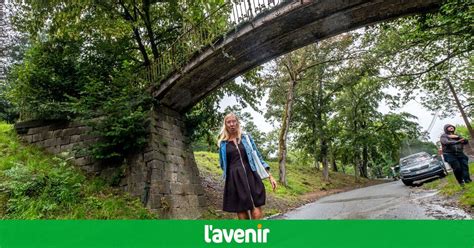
407, 183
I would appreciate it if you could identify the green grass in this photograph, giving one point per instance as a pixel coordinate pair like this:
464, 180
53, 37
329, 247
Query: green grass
36, 185
301, 179
449, 186
208, 163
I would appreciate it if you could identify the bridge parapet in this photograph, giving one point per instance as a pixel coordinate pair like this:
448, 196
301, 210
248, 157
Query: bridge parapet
196, 38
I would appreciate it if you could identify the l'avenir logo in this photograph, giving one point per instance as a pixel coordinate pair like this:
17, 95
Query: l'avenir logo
225, 235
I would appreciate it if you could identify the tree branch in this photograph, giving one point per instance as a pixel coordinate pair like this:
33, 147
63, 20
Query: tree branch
136, 33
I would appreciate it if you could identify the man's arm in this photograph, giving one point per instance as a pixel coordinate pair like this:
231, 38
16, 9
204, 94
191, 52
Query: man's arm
445, 141
463, 140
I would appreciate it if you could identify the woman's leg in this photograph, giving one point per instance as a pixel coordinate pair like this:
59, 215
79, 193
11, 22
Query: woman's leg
243, 215
257, 213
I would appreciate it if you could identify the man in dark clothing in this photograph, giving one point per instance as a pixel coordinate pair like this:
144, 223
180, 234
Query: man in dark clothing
452, 145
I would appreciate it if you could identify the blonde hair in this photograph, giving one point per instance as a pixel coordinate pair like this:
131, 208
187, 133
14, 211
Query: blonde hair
224, 134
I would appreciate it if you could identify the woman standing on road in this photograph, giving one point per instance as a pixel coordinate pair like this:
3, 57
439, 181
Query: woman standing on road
244, 191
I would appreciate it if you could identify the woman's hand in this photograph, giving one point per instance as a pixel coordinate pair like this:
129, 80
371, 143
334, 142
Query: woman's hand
273, 182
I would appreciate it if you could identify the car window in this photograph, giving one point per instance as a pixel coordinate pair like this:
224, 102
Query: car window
415, 159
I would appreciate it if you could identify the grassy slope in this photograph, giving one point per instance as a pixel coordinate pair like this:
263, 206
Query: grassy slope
35, 185
449, 187
304, 184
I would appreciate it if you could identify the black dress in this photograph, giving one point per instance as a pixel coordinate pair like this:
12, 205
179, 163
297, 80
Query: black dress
243, 188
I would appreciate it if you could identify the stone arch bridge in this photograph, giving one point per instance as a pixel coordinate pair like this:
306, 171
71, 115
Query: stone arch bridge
164, 175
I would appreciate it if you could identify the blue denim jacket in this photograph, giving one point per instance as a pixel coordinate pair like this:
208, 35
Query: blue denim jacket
248, 150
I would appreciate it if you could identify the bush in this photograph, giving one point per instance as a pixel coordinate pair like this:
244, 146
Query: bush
120, 116
57, 80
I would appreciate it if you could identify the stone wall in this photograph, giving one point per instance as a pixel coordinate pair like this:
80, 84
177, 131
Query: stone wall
60, 137
164, 175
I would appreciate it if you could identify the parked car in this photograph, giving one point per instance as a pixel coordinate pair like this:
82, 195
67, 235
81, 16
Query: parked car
421, 166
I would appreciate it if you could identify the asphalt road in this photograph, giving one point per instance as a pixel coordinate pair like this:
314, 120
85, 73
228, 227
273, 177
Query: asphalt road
391, 200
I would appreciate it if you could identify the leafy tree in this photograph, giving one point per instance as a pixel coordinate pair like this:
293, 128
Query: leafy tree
431, 54
303, 76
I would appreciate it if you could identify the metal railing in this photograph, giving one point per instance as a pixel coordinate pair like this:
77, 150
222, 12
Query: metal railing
205, 34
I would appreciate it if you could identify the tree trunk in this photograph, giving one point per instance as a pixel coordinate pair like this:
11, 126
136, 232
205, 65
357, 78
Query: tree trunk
319, 119
461, 109
136, 33
365, 156
282, 147
333, 162
357, 144
315, 153
149, 29
324, 159
356, 170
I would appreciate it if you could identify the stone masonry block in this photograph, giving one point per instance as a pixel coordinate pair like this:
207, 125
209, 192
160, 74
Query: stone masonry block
177, 188
75, 138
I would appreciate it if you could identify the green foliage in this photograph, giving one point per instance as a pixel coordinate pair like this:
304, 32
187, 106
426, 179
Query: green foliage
418, 53
39, 186
120, 117
203, 123
54, 83
208, 163
41, 85
462, 130
8, 112
335, 115
83, 60
467, 198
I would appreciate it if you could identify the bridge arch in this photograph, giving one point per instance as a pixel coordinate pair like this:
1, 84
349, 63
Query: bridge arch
287, 27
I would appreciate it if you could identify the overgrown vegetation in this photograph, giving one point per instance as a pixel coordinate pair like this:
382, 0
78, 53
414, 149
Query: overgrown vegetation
34, 185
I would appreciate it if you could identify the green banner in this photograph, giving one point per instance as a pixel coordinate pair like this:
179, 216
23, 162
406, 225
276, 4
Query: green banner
265, 233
